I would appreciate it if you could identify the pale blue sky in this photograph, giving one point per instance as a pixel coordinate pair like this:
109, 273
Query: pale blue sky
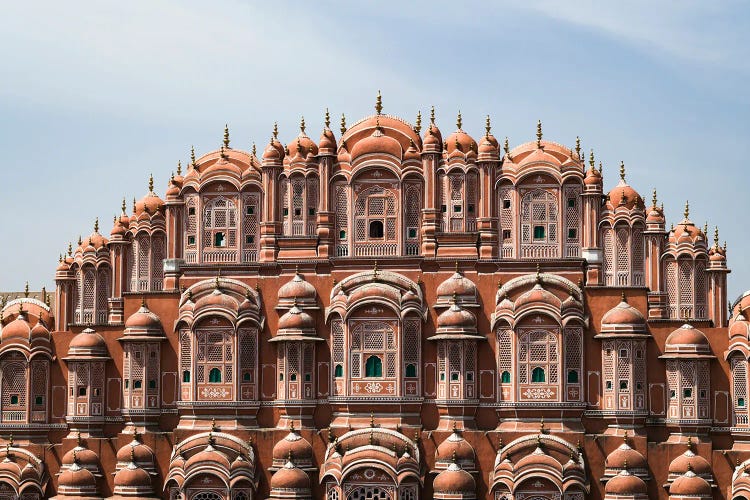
95, 96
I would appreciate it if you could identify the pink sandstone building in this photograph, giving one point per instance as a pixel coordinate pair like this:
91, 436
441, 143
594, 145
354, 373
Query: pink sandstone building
386, 313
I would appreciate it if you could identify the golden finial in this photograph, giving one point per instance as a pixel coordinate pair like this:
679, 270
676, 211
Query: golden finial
705, 227
226, 135
506, 146
418, 125
453, 458
432, 115
80, 240
328, 119
275, 130
690, 442
653, 197
372, 420
222, 153
459, 120
213, 425
690, 466
75, 456
192, 156
78, 439
151, 183
601, 169
625, 464
123, 205
70, 249
592, 163
622, 171
291, 426
342, 128
716, 236
624, 298
539, 280
179, 167
625, 434
302, 124
539, 133
96, 225
26, 290
487, 126
379, 103
416, 435
134, 204
372, 438
331, 437
578, 147
541, 426
253, 151
686, 213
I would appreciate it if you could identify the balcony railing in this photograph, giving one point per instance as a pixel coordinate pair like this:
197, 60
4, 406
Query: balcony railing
213, 256
375, 249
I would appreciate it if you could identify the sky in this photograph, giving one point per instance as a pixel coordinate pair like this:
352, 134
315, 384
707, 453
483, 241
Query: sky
96, 96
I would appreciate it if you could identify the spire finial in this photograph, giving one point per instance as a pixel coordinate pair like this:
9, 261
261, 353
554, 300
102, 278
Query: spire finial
625, 434
622, 171
432, 115
705, 228
578, 147
275, 130
179, 167
70, 249
624, 298
418, 124
487, 126
78, 439
592, 162
506, 146
541, 426
690, 442
253, 152
625, 465
328, 119
96, 225
539, 133
372, 420
459, 120
26, 290
379, 103
226, 135
342, 128
192, 156
653, 198
686, 213
716, 236
291, 426
123, 207
538, 273
134, 204
453, 457
302, 124
151, 183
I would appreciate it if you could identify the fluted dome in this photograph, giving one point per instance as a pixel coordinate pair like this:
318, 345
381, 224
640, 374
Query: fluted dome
88, 344
327, 142
297, 290
458, 288
75, 478
132, 476
625, 196
296, 319
149, 205
455, 447
19, 328
290, 477
623, 318
625, 483
143, 323
454, 480
295, 445
687, 341
689, 484
456, 317
625, 457
687, 461
302, 145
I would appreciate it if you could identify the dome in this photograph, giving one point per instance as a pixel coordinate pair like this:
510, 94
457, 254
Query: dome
137, 452
686, 231
433, 140
86, 344
456, 317
687, 340
290, 477
217, 299
9, 467
302, 145
210, 454
623, 318
143, 321
327, 142
94, 241
412, 153
690, 461
84, 457
538, 295
377, 143
541, 151
624, 484
593, 177
454, 480
625, 196
460, 140
296, 289
29, 473
76, 477
132, 476
295, 445
456, 447
457, 286
296, 319
739, 327
19, 328
149, 204
274, 151
388, 132
625, 457
690, 484
40, 331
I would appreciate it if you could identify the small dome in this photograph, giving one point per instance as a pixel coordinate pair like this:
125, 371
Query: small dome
624, 484
88, 343
295, 445
433, 140
217, 299
456, 447
297, 289
296, 319
625, 457
377, 143
19, 328
10, 467
625, 196
689, 484
454, 480
327, 142
82, 456
538, 295
143, 319
593, 177
689, 460
93, 242
290, 477
40, 331
623, 318
76, 477
209, 455
457, 318
137, 452
687, 340
30, 473
655, 215
460, 141
457, 286
302, 145
132, 476
274, 151
149, 205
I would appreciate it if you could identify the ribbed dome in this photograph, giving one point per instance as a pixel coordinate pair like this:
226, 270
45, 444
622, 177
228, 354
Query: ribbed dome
290, 477
144, 322
88, 343
690, 484
456, 447
295, 445
76, 477
149, 205
687, 340
681, 464
623, 318
626, 457
625, 196
19, 328
297, 289
626, 484
454, 480
457, 317
132, 476
296, 319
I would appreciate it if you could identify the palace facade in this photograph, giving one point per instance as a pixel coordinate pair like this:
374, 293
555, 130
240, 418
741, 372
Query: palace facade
386, 313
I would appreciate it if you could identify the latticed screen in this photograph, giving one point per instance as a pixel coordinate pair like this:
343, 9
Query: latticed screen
573, 357
220, 223
341, 200
248, 347
376, 341
739, 391
191, 222
375, 222
413, 221
411, 343
102, 294
284, 208
251, 227
14, 391
39, 377
539, 224
369, 493
538, 350
143, 247
158, 254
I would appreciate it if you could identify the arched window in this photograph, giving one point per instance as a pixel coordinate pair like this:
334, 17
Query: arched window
373, 367
411, 370
338, 371
572, 377
505, 377
220, 230
537, 375
214, 376
458, 202
378, 205
539, 225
